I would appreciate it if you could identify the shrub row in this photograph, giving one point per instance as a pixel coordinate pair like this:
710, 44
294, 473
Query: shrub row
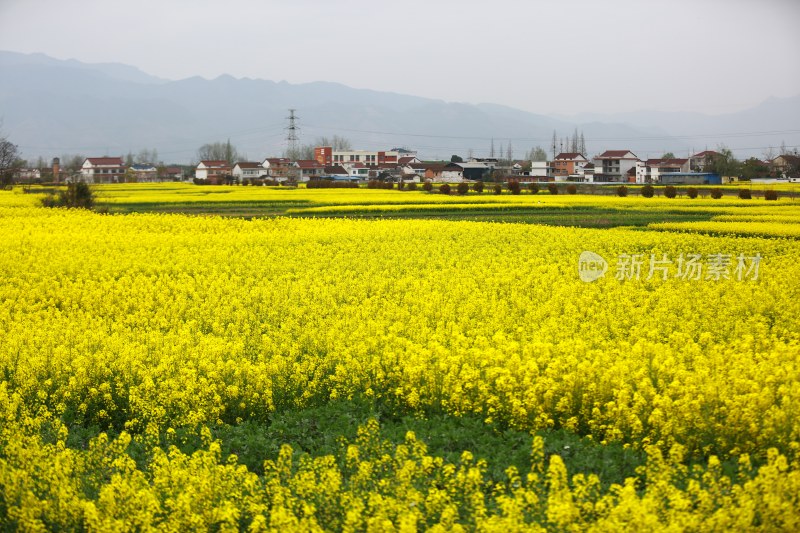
327, 184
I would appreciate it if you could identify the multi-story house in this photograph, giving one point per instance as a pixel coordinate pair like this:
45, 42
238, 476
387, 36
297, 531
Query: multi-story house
309, 169
248, 170
142, 173
103, 170
698, 162
614, 165
280, 168
567, 164
326, 155
213, 171
650, 171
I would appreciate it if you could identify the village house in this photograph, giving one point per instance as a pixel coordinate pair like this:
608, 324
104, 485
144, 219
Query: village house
567, 164
614, 165
248, 170
172, 173
698, 161
141, 173
337, 172
103, 170
787, 166
309, 169
280, 168
650, 171
212, 171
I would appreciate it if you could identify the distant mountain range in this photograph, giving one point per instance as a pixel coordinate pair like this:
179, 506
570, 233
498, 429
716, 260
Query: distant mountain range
51, 107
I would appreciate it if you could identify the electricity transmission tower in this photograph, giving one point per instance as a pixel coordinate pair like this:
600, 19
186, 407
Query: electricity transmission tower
292, 131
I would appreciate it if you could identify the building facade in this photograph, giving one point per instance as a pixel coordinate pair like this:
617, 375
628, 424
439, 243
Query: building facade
103, 170
614, 165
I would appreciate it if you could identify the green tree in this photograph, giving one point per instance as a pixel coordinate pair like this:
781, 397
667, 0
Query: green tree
753, 168
456, 159
723, 163
668, 155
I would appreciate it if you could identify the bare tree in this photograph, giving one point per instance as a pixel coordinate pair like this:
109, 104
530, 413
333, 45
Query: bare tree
218, 151
336, 142
509, 153
149, 156
537, 154
9, 160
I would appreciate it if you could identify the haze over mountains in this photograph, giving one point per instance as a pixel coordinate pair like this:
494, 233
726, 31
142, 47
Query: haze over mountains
51, 107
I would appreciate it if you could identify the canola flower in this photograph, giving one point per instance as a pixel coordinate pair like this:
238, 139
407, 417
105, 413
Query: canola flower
780, 227
145, 324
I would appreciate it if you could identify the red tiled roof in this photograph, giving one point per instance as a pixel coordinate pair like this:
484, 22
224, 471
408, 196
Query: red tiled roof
405, 160
216, 164
666, 162
705, 153
308, 163
248, 164
335, 169
569, 155
105, 161
614, 154
789, 158
278, 160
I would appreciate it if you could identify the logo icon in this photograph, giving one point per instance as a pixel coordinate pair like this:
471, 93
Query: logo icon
591, 267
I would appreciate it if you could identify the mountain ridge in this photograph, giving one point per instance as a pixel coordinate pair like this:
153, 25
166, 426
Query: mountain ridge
51, 107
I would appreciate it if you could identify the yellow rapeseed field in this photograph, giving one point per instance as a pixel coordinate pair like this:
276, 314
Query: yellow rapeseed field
145, 325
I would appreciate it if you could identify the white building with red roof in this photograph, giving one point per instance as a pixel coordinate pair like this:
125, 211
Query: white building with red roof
614, 165
309, 169
213, 171
248, 170
103, 170
650, 171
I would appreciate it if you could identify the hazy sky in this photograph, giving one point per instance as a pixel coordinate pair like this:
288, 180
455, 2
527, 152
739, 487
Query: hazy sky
553, 56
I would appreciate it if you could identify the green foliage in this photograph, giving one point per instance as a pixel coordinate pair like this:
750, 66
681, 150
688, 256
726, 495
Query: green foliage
647, 191
76, 195
330, 184
691, 192
513, 186
478, 186
498, 189
572, 189
553, 188
444, 188
622, 191
462, 188
753, 169
427, 186
716, 193
771, 195
533, 187
744, 194
723, 163
670, 191
456, 159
